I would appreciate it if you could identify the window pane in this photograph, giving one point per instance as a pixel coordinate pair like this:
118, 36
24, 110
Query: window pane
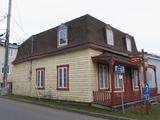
110, 37
151, 78
65, 77
60, 77
103, 76
118, 81
42, 78
128, 42
63, 37
38, 78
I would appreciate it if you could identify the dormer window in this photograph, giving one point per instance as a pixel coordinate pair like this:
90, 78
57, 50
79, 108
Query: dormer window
62, 36
128, 44
109, 34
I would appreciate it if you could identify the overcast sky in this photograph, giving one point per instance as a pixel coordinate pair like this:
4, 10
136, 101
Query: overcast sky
139, 18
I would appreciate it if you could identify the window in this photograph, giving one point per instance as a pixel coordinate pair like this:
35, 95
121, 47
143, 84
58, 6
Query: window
109, 35
103, 77
62, 36
10, 52
151, 78
8, 70
118, 81
40, 77
135, 78
128, 44
63, 77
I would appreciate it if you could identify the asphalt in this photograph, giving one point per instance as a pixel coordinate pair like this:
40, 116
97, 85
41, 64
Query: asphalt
15, 110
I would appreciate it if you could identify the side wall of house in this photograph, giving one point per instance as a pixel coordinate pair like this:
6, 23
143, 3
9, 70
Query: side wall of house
157, 64
82, 76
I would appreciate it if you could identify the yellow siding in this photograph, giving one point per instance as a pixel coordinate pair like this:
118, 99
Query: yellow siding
82, 76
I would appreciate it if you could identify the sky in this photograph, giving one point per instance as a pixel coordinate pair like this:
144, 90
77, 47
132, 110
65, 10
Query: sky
139, 18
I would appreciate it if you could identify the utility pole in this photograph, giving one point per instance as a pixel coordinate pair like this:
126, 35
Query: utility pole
6, 67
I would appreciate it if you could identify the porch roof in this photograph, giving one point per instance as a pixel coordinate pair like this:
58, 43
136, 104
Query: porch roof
107, 56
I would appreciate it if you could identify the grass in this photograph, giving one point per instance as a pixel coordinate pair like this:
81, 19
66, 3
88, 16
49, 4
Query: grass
136, 112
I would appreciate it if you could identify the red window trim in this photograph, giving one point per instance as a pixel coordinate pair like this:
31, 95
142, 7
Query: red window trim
103, 89
41, 88
67, 88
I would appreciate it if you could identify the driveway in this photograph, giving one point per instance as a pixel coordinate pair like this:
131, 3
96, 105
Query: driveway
14, 110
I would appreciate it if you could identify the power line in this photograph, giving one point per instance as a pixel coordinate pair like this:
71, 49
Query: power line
20, 26
4, 17
18, 34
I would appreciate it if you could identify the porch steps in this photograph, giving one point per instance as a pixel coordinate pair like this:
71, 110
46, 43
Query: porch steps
153, 101
117, 107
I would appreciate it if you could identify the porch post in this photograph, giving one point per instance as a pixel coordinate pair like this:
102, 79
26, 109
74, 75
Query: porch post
111, 72
155, 74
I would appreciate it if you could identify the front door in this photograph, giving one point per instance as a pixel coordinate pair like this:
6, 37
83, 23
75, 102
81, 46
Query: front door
128, 84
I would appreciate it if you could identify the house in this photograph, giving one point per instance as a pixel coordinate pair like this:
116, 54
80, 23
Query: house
76, 61
12, 55
153, 71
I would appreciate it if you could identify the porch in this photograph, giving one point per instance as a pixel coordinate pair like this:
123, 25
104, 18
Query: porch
112, 89
110, 100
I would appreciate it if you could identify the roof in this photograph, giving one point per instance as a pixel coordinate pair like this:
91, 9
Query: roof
106, 56
11, 45
82, 31
152, 56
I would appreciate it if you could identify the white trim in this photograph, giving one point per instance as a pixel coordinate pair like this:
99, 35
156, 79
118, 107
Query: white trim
39, 78
128, 44
62, 76
122, 80
105, 77
65, 37
110, 38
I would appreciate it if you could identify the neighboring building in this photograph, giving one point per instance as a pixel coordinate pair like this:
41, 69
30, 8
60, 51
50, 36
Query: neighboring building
12, 55
76, 61
153, 71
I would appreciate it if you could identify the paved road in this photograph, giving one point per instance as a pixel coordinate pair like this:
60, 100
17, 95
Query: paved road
13, 110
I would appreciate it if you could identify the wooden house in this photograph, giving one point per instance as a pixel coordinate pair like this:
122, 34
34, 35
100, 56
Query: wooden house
76, 61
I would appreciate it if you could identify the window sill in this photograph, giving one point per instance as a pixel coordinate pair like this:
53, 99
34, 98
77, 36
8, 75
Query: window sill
63, 89
40, 88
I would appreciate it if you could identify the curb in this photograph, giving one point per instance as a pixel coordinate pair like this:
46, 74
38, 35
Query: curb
105, 116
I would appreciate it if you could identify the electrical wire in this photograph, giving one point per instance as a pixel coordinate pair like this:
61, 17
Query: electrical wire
19, 26
4, 17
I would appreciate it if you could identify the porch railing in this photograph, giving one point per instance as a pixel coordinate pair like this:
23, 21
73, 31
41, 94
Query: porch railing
102, 97
153, 92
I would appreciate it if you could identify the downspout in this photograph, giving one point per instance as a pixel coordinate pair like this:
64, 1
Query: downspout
30, 70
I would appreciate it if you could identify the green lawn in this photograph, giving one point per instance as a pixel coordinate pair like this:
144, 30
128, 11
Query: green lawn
135, 112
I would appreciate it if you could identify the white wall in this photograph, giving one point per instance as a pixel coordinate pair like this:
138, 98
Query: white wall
155, 61
11, 59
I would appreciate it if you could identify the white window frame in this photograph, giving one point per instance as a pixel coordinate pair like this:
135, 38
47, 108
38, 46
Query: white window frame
119, 83
10, 52
135, 80
103, 77
65, 38
39, 78
110, 37
63, 77
128, 44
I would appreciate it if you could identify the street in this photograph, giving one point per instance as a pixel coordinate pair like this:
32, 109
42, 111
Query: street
14, 110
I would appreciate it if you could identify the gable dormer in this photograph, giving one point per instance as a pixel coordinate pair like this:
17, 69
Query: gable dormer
62, 35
